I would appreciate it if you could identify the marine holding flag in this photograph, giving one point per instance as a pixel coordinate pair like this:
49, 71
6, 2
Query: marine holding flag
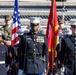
52, 35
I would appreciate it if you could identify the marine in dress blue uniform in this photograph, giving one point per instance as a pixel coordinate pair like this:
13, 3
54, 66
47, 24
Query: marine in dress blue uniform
32, 48
3, 54
68, 51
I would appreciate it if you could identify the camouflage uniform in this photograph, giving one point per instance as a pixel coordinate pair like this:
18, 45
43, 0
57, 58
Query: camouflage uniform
7, 34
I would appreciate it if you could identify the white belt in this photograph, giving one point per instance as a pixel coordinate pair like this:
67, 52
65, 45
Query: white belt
2, 62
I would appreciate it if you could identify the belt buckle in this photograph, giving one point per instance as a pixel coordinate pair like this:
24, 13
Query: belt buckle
75, 57
34, 54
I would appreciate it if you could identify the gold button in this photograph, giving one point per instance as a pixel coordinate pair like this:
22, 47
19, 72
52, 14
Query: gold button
34, 49
2, 52
34, 44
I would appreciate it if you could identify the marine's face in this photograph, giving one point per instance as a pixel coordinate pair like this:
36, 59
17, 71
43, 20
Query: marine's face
0, 37
61, 26
8, 22
73, 30
34, 28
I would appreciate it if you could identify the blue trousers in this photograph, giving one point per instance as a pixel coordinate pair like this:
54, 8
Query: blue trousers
20, 72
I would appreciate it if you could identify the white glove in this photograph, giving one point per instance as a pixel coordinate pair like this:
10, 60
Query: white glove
62, 69
20, 72
7, 68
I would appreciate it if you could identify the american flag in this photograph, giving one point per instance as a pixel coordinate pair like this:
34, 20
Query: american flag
16, 23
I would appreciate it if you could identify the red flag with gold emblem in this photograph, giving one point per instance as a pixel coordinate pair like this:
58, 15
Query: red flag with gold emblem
52, 33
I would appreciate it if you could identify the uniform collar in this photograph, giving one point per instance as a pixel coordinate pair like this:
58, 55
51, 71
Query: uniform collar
34, 32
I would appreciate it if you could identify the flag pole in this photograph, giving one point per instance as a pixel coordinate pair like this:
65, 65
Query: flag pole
53, 51
54, 34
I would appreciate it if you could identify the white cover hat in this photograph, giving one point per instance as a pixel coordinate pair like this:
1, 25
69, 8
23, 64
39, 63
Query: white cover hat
35, 20
73, 23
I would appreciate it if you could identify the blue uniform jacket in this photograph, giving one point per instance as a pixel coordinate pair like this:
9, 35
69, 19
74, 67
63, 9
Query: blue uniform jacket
35, 46
68, 53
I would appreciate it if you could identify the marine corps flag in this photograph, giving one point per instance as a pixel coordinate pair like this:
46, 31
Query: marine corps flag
52, 33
